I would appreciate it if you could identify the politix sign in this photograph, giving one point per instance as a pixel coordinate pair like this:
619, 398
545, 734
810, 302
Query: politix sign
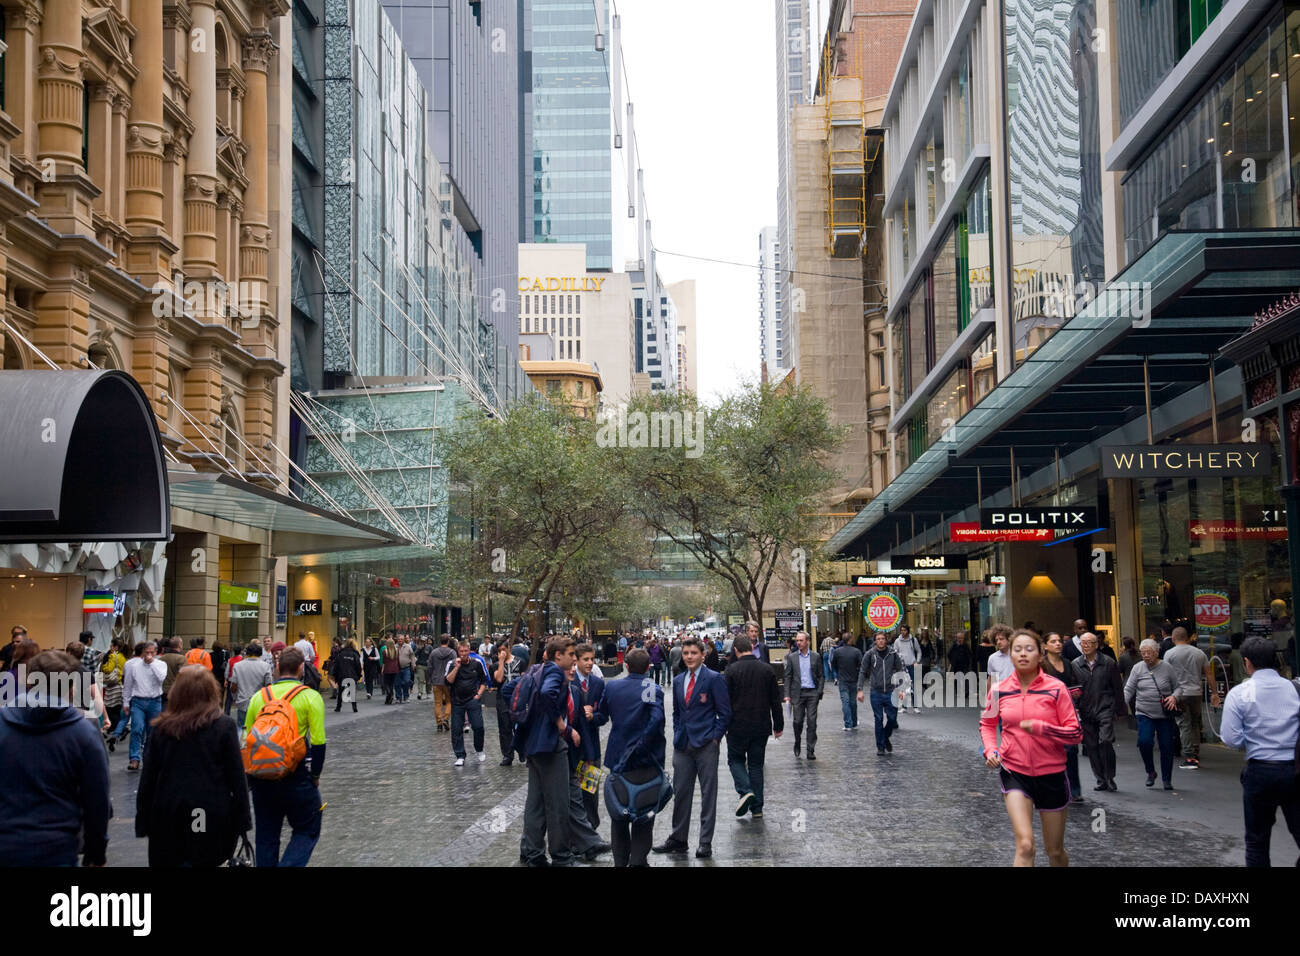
1054, 518
1186, 461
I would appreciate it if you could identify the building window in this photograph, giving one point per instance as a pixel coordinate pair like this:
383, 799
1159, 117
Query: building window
579, 351
578, 390
552, 386
577, 304
543, 305
553, 308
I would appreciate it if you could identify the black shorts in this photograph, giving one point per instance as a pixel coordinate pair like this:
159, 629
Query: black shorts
1051, 791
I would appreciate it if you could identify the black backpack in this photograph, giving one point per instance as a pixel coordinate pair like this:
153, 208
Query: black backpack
310, 675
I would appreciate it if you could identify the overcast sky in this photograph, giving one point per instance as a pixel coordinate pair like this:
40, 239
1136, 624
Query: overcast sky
702, 78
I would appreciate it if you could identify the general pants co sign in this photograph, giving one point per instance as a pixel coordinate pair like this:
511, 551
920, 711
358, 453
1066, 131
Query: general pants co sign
1058, 518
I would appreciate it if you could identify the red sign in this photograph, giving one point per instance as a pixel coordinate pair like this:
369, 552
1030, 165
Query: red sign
970, 531
1213, 609
1233, 530
883, 612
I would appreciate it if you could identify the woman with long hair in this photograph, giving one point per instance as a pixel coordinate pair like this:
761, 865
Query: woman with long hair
192, 772
391, 668
1038, 722
1054, 665
374, 662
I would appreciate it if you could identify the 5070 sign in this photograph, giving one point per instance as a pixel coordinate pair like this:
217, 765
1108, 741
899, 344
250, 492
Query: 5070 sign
1213, 609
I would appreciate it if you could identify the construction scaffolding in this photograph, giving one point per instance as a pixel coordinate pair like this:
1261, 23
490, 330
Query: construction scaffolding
846, 160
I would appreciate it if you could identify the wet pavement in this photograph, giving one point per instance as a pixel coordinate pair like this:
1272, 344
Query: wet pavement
395, 799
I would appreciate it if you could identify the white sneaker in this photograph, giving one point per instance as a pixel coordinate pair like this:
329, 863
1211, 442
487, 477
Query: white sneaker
460, 761
481, 756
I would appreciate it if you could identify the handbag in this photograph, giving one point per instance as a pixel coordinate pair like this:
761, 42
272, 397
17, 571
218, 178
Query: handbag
243, 855
637, 794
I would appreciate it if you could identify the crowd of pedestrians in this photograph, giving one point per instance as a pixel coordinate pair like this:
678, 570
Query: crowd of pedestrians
240, 733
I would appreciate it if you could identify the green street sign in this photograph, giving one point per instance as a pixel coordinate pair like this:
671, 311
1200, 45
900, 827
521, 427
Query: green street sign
237, 594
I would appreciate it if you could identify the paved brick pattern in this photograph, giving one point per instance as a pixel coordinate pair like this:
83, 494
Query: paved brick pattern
394, 799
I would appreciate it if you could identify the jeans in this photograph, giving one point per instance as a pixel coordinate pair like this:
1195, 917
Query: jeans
506, 729
143, 711
745, 753
828, 667
849, 703
1149, 730
882, 706
423, 685
296, 799
1189, 725
1265, 786
403, 684
474, 709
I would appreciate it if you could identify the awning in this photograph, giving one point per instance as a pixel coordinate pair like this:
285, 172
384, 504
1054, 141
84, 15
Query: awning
1087, 379
296, 527
83, 460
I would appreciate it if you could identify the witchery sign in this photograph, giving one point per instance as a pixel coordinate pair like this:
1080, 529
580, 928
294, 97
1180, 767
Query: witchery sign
1058, 517
1186, 461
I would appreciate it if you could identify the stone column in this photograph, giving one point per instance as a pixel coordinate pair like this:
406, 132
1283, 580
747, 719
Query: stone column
201, 169
144, 148
254, 234
22, 24
116, 204
101, 169
198, 572
65, 192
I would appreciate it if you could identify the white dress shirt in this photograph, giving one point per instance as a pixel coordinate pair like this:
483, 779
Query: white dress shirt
143, 680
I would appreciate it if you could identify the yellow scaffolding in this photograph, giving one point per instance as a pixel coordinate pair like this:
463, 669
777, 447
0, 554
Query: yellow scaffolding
846, 159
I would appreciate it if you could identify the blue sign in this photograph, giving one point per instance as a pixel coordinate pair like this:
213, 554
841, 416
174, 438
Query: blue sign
281, 605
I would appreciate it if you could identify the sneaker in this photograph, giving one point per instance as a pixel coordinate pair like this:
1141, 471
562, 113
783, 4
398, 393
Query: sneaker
745, 801
757, 815
460, 762
506, 762
1190, 764
481, 756
880, 751
847, 729
1151, 780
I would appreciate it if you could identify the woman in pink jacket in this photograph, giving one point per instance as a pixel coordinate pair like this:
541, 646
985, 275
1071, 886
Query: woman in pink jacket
1038, 722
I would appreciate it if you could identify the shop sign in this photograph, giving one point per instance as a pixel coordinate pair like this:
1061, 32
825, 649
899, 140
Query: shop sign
973, 589
237, 594
243, 613
1258, 623
882, 612
1213, 609
307, 608
735, 620
966, 531
1186, 461
1072, 518
879, 580
97, 602
1264, 514
1233, 531
281, 605
928, 562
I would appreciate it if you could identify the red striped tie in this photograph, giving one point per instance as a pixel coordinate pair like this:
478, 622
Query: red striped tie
690, 687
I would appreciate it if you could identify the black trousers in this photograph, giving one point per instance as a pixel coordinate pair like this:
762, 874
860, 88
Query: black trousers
804, 704
546, 809
1267, 785
506, 730
1099, 744
630, 842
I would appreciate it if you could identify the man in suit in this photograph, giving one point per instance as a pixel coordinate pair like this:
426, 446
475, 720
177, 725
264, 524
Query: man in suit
634, 708
546, 810
591, 687
804, 683
755, 635
755, 715
701, 715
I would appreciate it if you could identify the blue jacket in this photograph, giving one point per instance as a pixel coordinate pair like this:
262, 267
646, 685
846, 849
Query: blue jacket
588, 730
709, 713
55, 774
541, 736
635, 708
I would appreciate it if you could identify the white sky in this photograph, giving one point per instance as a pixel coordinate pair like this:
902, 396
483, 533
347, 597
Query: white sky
702, 79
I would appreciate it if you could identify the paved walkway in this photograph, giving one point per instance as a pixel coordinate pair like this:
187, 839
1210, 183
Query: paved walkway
394, 799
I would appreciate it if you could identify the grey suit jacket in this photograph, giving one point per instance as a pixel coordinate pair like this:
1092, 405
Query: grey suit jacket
792, 682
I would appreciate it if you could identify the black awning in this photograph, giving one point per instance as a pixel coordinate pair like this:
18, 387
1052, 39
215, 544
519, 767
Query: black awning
83, 459
1087, 380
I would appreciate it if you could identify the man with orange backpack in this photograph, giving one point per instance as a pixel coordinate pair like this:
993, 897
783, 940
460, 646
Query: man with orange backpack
284, 752
198, 655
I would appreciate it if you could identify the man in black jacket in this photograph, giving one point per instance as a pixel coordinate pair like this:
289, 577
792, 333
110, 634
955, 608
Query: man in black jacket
959, 655
755, 715
1101, 700
880, 675
847, 660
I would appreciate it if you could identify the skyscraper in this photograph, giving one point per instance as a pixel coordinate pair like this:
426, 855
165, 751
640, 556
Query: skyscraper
771, 331
568, 161
792, 71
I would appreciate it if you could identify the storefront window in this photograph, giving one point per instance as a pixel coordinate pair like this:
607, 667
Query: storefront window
1203, 553
1225, 164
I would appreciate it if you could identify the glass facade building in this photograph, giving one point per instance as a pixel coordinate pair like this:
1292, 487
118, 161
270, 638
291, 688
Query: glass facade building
571, 147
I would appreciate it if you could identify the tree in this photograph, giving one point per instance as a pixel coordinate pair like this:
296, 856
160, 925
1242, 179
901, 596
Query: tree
739, 485
540, 497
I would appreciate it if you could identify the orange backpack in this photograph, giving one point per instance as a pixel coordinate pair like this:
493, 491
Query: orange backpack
199, 656
274, 748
